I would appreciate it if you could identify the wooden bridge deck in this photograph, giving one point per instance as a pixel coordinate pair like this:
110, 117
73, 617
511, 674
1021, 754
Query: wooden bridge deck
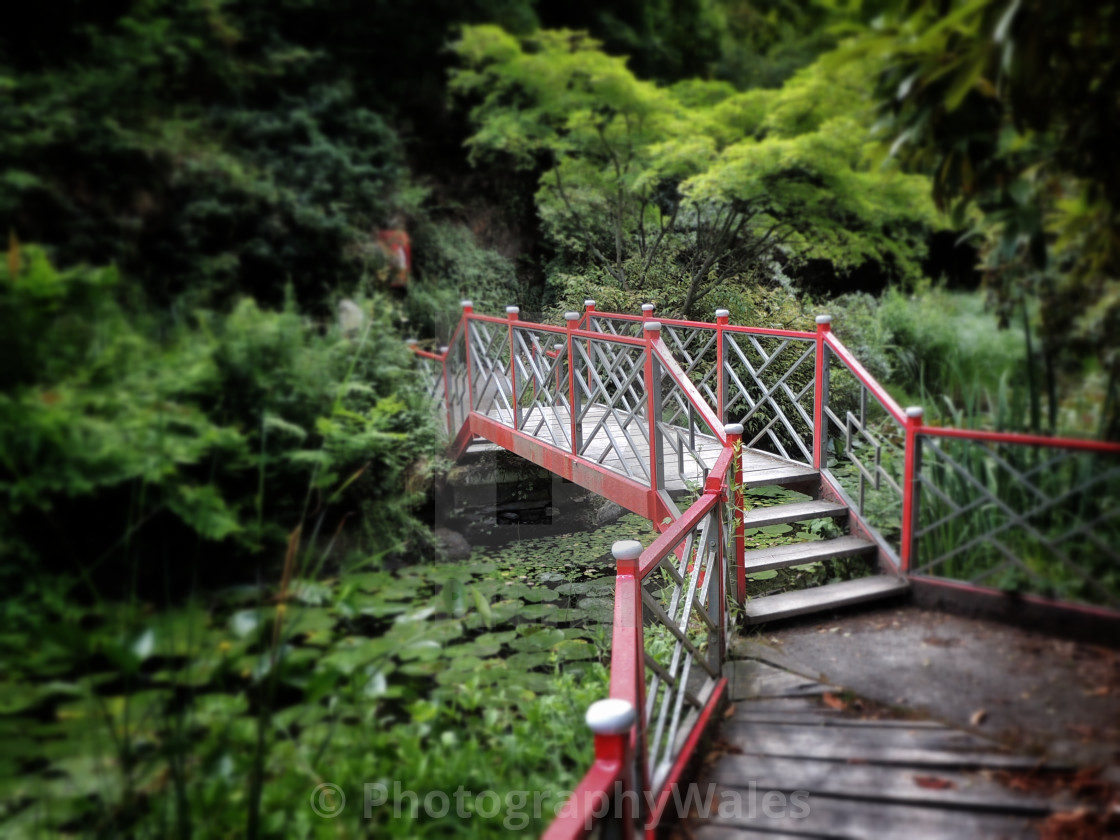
682, 471
792, 766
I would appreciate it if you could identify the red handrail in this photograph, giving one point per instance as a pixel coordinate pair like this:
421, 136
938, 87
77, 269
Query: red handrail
1017, 437
677, 322
866, 379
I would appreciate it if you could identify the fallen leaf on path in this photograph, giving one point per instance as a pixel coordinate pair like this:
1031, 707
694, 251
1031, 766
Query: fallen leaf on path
978, 717
834, 702
934, 783
730, 711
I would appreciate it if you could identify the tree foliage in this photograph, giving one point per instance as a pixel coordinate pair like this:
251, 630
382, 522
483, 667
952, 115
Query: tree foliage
1012, 108
681, 189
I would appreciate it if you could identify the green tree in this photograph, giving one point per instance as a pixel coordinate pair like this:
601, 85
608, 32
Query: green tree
1012, 108
682, 189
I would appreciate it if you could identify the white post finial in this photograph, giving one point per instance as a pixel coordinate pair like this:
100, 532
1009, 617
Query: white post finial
513, 310
411, 342
465, 304
915, 411
571, 316
613, 716
589, 302
647, 307
723, 313
824, 319
733, 429
627, 550
652, 326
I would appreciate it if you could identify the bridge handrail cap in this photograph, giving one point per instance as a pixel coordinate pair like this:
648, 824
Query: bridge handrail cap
652, 326
571, 316
465, 303
915, 411
627, 550
443, 348
733, 429
411, 341
722, 313
513, 309
589, 302
647, 307
559, 345
613, 716
824, 319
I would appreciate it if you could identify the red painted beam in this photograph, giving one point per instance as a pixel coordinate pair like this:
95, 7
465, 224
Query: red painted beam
606, 483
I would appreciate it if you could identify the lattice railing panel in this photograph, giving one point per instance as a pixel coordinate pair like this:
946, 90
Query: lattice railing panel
458, 390
1020, 517
769, 389
542, 385
687, 438
629, 327
682, 604
431, 374
865, 451
696, 350
490, 367
610, 408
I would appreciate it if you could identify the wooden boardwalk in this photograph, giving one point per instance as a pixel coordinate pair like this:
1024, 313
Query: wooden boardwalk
622, 448
832, 775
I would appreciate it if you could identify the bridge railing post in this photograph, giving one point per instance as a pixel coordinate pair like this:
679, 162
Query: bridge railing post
911, 485
631, 674
734, 432
572, 320
468, 309
722, 316
512, 313
820, 395
652, 375
612, 721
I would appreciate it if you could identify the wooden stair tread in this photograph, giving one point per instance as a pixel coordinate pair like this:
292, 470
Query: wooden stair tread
778, 474
794, 554
800, 602
793, 512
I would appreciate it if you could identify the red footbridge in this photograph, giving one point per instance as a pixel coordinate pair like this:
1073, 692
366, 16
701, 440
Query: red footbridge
677, 421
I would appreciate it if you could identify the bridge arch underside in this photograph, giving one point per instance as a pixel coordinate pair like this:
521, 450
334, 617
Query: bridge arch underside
681, 479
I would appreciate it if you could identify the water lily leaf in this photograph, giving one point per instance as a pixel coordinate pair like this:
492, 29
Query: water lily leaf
416, 615
382, 609
776, 530
539, 639
767, 575
353, 652
475, 648
500, 638
532, 612
572, 649
529, 660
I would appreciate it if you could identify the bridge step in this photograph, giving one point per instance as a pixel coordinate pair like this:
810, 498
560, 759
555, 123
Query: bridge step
830, 596
767, 474
783, 556
793, 512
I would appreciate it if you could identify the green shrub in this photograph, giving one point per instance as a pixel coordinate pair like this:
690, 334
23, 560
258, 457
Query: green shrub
122, 435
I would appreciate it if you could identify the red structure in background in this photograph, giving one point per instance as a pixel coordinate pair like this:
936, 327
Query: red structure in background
398, 251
